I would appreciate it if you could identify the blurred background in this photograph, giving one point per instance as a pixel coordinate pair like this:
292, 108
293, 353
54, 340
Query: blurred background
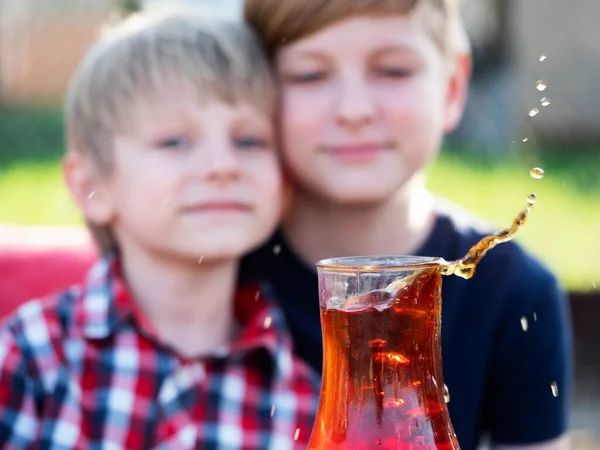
533, 103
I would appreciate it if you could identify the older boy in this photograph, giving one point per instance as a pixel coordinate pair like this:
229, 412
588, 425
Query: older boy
369, 88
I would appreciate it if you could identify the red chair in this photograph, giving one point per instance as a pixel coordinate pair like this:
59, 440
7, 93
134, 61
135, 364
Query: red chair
37, 261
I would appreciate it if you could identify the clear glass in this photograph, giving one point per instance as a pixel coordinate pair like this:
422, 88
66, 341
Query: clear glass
383, 386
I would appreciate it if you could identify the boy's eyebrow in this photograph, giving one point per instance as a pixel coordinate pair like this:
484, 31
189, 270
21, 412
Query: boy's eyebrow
395, 48
309, 53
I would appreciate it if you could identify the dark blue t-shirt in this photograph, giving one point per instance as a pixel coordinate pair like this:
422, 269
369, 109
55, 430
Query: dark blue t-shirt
499, 376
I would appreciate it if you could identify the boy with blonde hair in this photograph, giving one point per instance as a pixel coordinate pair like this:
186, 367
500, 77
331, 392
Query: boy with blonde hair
368, 90
172, 161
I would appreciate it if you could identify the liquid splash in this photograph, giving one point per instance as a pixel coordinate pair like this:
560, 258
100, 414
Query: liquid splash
545, 101
465, 267
541, 85
543, 57
534, 112
537, 173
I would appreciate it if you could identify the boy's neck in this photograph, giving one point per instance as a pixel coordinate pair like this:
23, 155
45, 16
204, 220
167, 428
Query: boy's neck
318, 229
189, 304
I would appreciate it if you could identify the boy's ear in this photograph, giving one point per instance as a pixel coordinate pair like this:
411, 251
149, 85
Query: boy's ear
88, 189
458, 87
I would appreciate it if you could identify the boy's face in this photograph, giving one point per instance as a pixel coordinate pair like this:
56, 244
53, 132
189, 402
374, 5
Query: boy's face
365, 105
193, 180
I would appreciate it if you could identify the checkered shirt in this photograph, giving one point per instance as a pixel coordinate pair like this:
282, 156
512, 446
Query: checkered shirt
80, 371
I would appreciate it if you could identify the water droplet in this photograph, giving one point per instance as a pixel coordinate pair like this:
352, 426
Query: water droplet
201, 259
531, 198
541, 85
537, 173
297, 434
535, 317
377, 343
91, 195
277, 249
272, 409
534, 112
267, 323
524, 323
416, 383
256, 296
554, 388
594, 284
525, 139
446, 394
543, 57
545, 101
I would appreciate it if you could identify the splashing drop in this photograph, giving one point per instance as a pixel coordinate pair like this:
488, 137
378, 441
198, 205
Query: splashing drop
277, 249
297, 434
525, 139
267, 323
594, 284
201, 259
541, 85
537, 173
531, 199
534, 112
554, 388
545, 101
524, 323
446, 394
543, 57
535, 317
272, 409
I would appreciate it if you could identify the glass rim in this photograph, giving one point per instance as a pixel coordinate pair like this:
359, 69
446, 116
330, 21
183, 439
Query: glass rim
378, 263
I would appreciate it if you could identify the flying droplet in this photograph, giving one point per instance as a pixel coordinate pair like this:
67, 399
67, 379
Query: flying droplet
594, 284
377, 343
543, 57
537, 173
545, 101
272, 409
256, 296
541, 85
535, 317
446, 394
534, 112
531, 198
277, 249
525, 139
554, 388
201, 259
524, 323
297, 434
267, 323
91, 195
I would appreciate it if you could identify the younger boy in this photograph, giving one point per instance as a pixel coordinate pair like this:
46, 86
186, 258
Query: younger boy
171, 160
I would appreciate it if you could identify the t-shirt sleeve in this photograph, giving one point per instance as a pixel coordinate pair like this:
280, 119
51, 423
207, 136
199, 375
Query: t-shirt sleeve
531, 366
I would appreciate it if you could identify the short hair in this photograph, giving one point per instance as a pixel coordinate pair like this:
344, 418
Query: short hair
281, 22
133, 61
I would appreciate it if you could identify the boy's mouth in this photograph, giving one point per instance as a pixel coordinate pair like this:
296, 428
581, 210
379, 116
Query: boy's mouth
357, 153
220, 206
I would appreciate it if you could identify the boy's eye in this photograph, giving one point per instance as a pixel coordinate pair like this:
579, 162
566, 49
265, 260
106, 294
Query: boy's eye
249, 143
306, 77
394, 72
175, 142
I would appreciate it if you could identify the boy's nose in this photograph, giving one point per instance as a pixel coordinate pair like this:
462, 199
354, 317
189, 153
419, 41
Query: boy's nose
355, 107
222, 165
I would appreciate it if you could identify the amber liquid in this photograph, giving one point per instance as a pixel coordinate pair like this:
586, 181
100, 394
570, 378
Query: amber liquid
465, 267
382, 382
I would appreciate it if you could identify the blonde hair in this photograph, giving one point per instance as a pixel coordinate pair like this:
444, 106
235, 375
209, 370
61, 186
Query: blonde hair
281, 22
133, 61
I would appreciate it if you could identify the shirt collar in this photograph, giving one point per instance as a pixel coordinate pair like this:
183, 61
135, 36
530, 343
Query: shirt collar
106, 306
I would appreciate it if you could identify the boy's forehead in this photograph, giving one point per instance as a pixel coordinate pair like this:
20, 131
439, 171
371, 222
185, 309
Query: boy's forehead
408, 33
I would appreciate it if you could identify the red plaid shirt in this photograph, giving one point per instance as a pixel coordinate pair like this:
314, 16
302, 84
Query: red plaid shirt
78, 371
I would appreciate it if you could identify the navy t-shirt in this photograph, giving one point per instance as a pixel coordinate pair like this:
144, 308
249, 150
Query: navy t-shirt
499, 376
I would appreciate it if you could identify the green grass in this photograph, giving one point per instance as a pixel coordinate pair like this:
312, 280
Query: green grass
563, 230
